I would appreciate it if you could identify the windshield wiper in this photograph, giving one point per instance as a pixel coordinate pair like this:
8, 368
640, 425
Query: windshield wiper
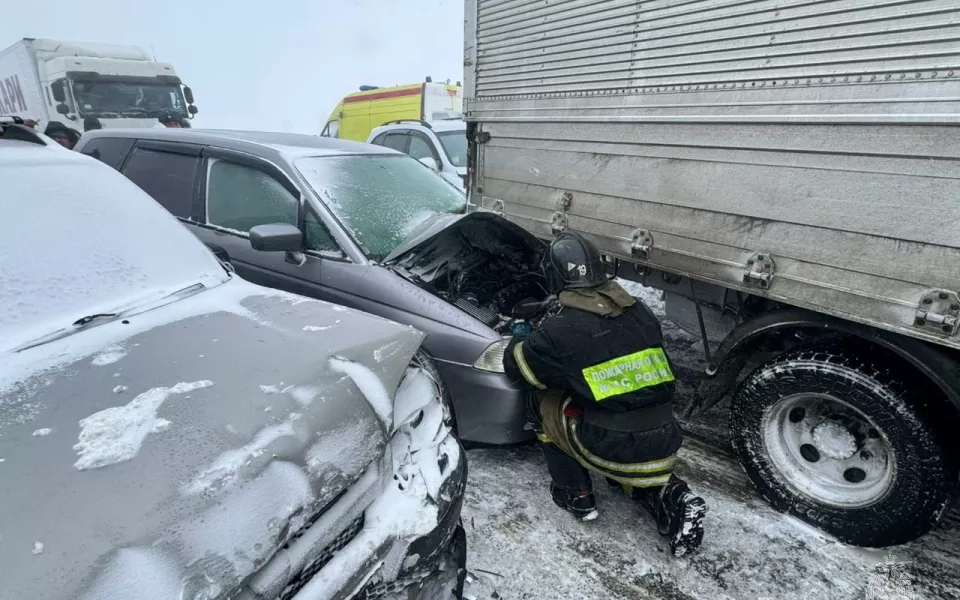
87, 319
81, 323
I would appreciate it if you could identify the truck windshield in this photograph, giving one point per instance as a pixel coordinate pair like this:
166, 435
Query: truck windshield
379, 198
455, 145
124, 99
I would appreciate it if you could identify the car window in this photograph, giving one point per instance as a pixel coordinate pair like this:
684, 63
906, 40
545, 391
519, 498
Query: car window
332, 129
169, 177
420, 147
396, 141
380, 199
111, 151
455, 146
241, 197
317, 237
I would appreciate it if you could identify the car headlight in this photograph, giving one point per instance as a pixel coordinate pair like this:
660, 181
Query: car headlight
492, 358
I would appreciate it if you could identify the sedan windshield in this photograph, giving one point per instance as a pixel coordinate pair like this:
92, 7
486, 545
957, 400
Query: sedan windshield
104, 246
455, 145
104, 98
379, 198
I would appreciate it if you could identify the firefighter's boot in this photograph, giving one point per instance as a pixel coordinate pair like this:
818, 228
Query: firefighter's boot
678, 512
580, 503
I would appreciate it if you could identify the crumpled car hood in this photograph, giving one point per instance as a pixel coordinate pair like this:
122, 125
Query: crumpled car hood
183, 451
482, 228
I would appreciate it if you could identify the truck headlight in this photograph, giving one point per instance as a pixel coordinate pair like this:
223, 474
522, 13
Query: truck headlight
492, 358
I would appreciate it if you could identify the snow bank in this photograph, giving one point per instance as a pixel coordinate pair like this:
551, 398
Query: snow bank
370, 386
649, 296
222, 473
116, 434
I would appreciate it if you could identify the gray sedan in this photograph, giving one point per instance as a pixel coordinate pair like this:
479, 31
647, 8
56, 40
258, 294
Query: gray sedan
366, 227
168, 430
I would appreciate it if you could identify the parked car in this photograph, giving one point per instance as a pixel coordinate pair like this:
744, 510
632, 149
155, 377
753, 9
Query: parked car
441, 145
369, 228
168, 430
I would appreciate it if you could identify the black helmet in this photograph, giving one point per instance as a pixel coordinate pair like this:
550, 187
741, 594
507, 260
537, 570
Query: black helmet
572, 262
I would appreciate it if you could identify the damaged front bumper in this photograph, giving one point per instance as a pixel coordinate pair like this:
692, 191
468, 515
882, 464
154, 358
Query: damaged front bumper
400, 533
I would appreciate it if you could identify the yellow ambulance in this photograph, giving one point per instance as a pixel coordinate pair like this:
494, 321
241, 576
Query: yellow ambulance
360, 112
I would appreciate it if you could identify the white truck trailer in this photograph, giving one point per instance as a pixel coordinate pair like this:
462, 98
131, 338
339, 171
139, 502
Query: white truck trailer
788, 171
122, 86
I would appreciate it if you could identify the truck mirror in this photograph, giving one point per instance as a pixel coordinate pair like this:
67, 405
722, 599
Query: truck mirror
188, 94
192, 109
59, 94
63, 109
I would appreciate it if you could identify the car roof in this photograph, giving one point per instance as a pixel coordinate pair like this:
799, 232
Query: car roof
287, 145
18, 153
435, 126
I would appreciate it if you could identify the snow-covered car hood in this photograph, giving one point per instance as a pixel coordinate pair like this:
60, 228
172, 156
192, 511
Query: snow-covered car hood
187, 444
495, 228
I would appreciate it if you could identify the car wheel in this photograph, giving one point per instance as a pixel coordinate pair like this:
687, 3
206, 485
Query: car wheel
423, 361
840, 442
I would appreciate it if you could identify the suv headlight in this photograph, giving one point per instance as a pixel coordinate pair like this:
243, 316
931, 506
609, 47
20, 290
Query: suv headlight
492, 358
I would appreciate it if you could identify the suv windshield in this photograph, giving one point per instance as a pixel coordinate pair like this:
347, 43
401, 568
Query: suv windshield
379, 198
104, 98
455, 145
103, 246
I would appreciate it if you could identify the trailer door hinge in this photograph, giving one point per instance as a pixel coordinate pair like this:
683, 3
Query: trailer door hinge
760, 270
559, 223
641, 243
481, 137
939, 310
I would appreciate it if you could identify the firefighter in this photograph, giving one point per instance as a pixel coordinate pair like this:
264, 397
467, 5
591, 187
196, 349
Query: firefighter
604, 388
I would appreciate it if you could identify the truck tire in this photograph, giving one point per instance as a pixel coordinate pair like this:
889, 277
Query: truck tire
838, 441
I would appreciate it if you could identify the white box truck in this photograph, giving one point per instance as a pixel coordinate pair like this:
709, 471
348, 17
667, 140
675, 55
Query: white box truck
121, 86
788, 171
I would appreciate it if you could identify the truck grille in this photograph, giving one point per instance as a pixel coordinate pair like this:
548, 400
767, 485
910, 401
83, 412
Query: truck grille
316, 565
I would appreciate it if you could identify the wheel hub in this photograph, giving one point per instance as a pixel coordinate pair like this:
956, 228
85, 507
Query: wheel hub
829, 451
834, 440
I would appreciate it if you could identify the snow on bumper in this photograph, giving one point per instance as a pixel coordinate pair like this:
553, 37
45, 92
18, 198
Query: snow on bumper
409, 526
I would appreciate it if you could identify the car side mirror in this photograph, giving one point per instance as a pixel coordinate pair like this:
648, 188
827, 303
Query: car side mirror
59, 93
431, 162
276, 237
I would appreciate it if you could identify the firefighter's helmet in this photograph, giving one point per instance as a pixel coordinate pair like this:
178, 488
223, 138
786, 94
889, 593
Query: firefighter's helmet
571, 261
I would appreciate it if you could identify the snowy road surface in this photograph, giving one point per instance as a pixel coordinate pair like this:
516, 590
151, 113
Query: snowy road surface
521, 546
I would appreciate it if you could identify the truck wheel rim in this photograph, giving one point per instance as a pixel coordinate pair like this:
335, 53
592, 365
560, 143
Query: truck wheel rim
827, 450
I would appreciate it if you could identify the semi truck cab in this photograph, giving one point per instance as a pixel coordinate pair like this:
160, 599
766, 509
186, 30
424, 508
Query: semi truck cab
122, 86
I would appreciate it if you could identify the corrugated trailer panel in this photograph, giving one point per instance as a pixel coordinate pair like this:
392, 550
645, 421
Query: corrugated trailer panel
821, 133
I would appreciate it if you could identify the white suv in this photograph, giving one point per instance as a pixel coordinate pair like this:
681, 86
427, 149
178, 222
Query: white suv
441, 145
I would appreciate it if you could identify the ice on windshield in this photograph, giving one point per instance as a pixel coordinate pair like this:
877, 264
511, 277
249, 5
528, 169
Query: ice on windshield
380, 199
82, 240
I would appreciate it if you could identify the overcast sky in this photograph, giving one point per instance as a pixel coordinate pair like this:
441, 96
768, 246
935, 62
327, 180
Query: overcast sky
278, 65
